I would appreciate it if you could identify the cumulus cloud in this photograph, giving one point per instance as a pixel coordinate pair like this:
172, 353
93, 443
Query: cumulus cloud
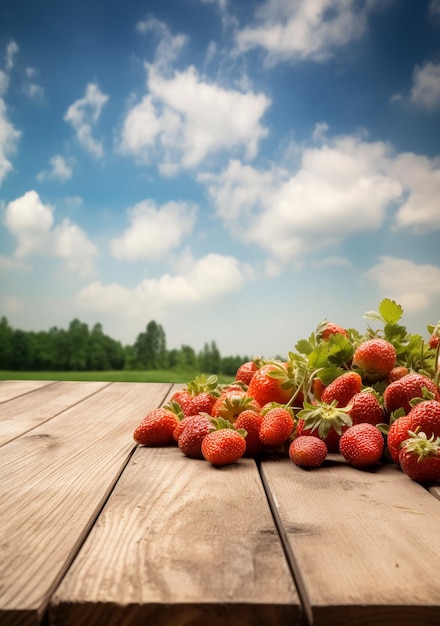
83, 115
420, 177
204, 280
4, 83
8, 141
32, 223
345, 185
59, 169
154, 231
30, 88
11, 50
305, 29
413, 286
340, 188
185, 118
425, 91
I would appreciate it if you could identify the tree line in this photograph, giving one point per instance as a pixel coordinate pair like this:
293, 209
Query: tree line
80, 348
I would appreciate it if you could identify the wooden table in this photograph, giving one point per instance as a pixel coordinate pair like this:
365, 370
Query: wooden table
97, 531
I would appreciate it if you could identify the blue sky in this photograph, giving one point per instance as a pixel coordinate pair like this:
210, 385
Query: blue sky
235, 170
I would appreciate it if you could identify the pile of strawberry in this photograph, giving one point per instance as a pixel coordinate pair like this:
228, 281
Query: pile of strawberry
371, 397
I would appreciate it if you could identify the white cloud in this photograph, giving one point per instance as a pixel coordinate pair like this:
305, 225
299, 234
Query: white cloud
8, 263
169, 45
425, 91
32, 223
4, 83
304, 29
59, 169
184, 118
8, 141
434, 8
413, 286
201, 282
420, 177
11, 50
339, 189
83, 114
154, 231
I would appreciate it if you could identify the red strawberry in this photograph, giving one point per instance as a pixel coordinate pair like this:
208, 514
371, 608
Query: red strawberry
273, 382
399, 393
424, 416
362, 445
325, 329
326, 421
232, 403
419, 457
365, 408
397, 434
246, 371
317, 388
308, 451
342, 389
182, 397
434, 341
276, 427
198, 396
250, 421
397, 373
223, 447
156, 428
375, 357
192, 435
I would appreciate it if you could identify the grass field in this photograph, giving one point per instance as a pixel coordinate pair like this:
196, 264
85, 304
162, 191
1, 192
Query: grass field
149, 376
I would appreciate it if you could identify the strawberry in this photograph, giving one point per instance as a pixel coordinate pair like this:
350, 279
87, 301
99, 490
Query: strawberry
364, 407
232, 403
224, 446
317, 388
307, 451
326, 421
276, 427
397, 373
362, 445
156, 428
375, 358
247, 370
397, 434
342, 389
419, 457
273, 382
399, 393
434, 341
250, 421
424, 416
198, 396
192, 435
325, 329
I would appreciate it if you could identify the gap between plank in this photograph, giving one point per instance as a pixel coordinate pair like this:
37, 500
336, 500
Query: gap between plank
290, 557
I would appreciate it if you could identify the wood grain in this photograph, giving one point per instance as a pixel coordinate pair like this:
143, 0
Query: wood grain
13, 388
53, 483
180, 542
365, 545
33, 408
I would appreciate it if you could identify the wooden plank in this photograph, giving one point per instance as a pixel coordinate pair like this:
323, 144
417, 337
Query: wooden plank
365, 545
435, 491
28, 411
53, 483
180, 542
12, 388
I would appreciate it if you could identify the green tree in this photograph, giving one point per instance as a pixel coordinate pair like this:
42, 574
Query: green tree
78, 341
5, 344
150, 347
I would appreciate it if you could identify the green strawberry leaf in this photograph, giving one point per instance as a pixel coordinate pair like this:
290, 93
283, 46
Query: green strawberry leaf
304, 346
390, 311
340, 349
328, 374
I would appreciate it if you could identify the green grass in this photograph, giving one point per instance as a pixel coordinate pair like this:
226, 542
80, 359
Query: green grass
136, 376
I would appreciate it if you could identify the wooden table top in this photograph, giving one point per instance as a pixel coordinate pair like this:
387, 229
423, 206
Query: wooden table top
95, 530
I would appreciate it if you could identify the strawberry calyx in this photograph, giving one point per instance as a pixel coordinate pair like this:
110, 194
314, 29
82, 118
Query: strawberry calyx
203, 384
419, 444
325, 417
219, 423
176, 408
